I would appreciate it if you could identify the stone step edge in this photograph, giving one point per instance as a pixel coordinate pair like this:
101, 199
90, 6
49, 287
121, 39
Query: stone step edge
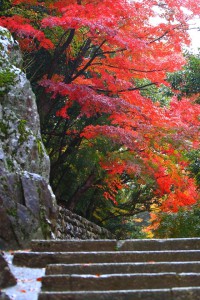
113, 281
123, 264
118, 281
110, 268
180, 243
84, 245
19, 253
41, 259
146, 294
121, 275
120, 241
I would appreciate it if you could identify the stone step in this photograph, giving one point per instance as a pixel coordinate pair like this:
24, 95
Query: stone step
117, 268
112, 245
159, 244
155, 269
42, 259
192, 293
73, 245
119, 281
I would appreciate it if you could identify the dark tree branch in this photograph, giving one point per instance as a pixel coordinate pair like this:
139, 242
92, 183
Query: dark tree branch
58, 52
71, 204
114, 51
89, 62
125, 90
77, 61
160, 37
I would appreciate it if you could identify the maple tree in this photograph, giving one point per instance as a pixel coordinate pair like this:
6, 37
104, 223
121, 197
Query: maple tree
90, 63
185, 222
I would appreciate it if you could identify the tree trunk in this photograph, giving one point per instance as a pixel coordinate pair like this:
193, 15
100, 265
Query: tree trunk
71, 204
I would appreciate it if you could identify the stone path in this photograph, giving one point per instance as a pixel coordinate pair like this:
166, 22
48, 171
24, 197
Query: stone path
116, 270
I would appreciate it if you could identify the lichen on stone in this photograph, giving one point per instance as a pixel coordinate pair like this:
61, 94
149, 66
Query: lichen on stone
28, 206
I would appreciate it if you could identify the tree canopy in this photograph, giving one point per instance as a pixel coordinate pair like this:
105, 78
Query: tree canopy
113, 150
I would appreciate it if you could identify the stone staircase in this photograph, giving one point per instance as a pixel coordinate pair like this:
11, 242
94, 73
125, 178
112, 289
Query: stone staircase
167, 269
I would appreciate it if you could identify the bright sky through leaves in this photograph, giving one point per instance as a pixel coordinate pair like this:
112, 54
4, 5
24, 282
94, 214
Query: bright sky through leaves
195, 34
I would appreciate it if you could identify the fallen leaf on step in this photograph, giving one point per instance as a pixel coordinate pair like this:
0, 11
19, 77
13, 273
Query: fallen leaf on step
39, 279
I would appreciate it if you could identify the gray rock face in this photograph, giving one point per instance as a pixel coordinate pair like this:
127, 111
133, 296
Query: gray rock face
27, 204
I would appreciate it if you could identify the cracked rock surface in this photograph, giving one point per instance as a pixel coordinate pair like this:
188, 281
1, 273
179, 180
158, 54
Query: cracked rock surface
28, 207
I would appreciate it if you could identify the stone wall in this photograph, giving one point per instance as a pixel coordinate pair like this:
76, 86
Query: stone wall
28, 208
73, 226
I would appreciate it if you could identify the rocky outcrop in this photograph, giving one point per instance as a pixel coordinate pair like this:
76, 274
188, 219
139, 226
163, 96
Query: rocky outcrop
28, 207
6, 277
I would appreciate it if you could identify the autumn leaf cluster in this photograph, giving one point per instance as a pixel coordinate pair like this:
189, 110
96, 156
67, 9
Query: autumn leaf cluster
90, 63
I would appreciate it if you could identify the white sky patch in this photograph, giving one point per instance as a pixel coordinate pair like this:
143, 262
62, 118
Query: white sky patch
194, 29
195, 34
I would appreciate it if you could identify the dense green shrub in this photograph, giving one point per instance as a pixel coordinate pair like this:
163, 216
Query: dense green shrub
183, 224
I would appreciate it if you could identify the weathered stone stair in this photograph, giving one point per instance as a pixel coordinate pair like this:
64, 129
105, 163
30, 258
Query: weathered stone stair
117, 270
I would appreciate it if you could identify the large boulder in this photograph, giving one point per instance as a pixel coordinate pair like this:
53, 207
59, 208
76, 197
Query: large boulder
28, 207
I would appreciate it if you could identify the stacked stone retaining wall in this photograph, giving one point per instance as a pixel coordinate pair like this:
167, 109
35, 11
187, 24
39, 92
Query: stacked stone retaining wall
73, 226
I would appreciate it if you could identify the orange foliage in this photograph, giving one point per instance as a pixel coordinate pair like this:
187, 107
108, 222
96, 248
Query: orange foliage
119, 45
